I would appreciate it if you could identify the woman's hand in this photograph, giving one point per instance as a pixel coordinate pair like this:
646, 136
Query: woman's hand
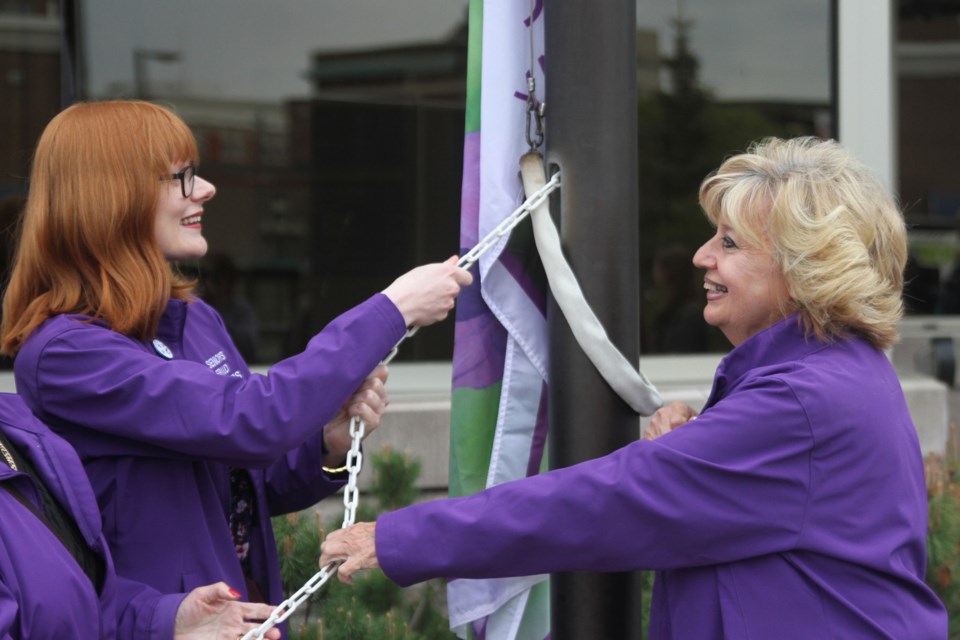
214, 612
669, 418
368, 403
425, 295
355, 546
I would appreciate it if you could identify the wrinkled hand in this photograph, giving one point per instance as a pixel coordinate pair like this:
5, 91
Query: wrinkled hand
368, 403
425, 295
355, 545
669, 418
214, 612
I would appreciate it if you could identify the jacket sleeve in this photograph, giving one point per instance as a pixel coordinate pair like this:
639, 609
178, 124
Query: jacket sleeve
144, 613
731, 484
297, 480
116, 398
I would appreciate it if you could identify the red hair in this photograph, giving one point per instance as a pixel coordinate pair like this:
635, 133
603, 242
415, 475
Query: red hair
88, 242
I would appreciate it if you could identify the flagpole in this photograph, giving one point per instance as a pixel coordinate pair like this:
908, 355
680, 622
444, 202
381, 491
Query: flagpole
591, 128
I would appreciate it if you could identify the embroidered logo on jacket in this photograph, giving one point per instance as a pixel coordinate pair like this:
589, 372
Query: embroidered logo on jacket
218, 362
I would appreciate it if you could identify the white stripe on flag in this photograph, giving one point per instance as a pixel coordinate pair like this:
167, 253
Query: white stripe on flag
506, 58
469, 598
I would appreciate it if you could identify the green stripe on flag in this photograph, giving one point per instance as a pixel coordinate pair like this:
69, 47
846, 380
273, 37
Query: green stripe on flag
473, 424
474, 59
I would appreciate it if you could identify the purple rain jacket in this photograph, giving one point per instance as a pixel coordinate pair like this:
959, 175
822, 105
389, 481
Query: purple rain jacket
44, 593
157, 435
794, 506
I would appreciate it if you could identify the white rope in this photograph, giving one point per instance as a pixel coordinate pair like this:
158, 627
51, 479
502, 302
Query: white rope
628, 382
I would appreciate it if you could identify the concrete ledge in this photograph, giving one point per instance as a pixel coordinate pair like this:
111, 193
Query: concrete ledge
421, 430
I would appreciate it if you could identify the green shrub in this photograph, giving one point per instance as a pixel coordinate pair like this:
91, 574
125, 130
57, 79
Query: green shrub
943, 528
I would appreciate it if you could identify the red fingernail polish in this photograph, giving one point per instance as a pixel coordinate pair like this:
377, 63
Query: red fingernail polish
234, 593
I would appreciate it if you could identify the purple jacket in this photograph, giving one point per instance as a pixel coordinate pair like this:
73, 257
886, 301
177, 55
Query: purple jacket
794, 506
158, 426
43, 591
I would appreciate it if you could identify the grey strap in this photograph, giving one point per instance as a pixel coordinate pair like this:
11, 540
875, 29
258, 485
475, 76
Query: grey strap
628, 382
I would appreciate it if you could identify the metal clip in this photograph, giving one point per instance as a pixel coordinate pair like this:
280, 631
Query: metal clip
535, 112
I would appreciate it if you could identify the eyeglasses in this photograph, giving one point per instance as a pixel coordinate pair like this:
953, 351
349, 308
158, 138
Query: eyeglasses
186, 177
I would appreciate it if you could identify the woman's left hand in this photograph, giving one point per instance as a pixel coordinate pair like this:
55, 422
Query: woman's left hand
368, 403
356, 546
669, 418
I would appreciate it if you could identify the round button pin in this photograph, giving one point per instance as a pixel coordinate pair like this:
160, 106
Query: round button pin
162, 349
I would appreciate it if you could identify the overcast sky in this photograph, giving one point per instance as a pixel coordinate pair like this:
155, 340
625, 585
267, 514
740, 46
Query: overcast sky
259, 50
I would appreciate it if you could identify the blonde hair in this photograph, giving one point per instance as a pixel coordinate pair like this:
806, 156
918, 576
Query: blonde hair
833, 228
88, 242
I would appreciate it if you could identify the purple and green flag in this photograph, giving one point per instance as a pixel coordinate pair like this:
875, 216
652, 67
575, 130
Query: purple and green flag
500, 362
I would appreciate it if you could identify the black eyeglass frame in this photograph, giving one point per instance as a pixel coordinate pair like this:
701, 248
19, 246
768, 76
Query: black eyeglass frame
189, 172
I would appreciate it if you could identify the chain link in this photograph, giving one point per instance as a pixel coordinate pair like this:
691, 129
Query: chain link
351, 494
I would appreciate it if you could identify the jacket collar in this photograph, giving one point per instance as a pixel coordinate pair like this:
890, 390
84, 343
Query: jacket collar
782, 342
173, 320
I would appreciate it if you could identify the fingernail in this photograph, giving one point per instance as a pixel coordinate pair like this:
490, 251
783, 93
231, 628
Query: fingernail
235, 593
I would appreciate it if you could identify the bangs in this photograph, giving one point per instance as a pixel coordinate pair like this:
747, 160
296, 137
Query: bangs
126, 137
740, 201
171, 140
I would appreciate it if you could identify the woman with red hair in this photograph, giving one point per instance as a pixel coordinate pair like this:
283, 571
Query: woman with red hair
189, 453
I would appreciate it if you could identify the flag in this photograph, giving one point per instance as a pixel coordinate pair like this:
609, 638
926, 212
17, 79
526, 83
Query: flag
500, 362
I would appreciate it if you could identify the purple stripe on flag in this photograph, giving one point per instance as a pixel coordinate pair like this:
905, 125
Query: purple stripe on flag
470, 303
533, 290
539, 439
470, 191
480, 344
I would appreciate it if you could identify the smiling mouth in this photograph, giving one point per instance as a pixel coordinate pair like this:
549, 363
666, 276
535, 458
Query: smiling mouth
714, 288
191, 220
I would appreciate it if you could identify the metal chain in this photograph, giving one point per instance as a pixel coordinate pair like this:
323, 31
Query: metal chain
351, 494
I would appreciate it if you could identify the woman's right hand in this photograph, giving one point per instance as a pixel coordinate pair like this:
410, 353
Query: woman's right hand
425, 295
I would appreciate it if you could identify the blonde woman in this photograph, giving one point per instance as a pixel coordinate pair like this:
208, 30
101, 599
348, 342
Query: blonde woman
794, 505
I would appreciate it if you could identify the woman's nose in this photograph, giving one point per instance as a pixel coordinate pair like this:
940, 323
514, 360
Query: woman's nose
703, 258
203, 190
